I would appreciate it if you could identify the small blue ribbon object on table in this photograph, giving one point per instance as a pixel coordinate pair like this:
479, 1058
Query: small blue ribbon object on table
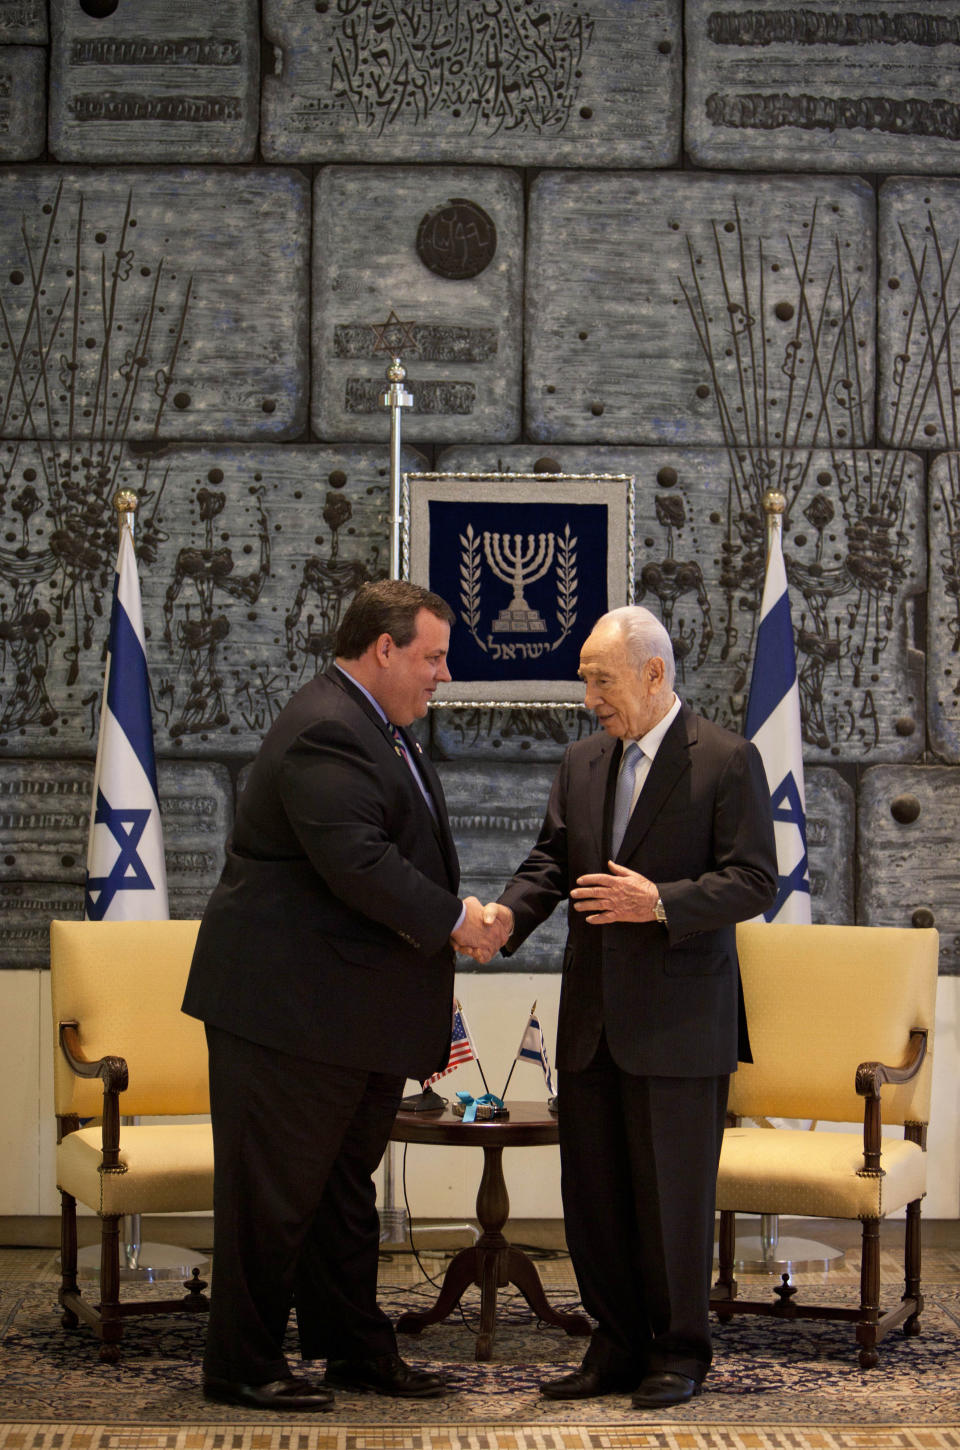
470, 1104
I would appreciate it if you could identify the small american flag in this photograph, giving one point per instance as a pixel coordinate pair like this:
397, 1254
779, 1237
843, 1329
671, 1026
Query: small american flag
461, 1047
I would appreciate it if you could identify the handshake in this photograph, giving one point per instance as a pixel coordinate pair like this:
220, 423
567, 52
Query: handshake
484, 929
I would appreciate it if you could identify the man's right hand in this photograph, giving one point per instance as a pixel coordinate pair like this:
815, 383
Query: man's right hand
484, 929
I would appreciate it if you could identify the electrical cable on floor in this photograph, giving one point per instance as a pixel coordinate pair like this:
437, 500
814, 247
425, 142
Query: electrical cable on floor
413, 1248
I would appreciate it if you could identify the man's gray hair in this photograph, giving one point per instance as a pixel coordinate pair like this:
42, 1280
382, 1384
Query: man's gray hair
644, 637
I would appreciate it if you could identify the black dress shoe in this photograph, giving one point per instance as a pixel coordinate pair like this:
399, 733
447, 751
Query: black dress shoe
387, 1374
291, 1393
666, 1387
586, 1382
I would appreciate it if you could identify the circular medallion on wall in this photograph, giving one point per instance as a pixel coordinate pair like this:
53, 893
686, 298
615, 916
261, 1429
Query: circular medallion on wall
457, 239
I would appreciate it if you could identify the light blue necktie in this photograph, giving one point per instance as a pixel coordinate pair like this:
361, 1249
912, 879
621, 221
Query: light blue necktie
623, 801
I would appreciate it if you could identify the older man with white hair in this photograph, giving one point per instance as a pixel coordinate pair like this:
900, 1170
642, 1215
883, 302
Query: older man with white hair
659, 834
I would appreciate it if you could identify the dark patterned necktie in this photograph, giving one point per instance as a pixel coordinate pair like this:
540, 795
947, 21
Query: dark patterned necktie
401, 746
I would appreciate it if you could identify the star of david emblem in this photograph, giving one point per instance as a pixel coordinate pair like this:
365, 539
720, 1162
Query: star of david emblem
788, 809
393, 336
128, 872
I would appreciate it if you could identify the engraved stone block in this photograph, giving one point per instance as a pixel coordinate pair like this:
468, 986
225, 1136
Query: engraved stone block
907, 854
247, 558
151, 305
23, 22
918, 297
699, 309
495, 813
492, 732
855, 549
424, 262
833, 87
943, 607
45, 822
566, 84
23, 101
831, 837
161, 80
26, 911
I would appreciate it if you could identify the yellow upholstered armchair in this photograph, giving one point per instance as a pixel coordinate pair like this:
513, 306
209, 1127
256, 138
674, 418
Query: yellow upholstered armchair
841, 1026
123, 1049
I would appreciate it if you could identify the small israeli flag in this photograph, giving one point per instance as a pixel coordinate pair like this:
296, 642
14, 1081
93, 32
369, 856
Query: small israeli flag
773, 724
126, 873
533, 1048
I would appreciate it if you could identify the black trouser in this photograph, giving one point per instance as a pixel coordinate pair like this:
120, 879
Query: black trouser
639, 1166
295, 1219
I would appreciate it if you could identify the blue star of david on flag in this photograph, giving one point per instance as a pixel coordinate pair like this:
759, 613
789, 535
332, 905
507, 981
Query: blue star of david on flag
533, 1048
773, 724
126, 872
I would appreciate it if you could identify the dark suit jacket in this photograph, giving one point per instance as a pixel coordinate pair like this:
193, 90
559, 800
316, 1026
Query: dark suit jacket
327, 935
668, 997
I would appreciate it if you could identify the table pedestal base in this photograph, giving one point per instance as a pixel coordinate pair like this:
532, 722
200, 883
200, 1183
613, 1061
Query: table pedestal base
491, 1263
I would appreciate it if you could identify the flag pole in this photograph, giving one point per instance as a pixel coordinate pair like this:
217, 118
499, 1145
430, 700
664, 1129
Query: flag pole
125, 502
476, 1055
393, 1219
395, 397
140, 1261
768, 1253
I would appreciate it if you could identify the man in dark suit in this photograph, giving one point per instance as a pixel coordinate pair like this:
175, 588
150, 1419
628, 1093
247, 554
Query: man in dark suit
661, 847
324, 974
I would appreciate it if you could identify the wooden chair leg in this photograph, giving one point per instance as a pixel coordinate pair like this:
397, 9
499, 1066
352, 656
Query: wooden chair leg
111, 1325
68, 1257
911, 1268
869, 1293
726, 1285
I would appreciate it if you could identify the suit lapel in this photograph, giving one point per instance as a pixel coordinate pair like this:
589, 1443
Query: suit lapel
441, 824
669, 764
431, 780
603, 770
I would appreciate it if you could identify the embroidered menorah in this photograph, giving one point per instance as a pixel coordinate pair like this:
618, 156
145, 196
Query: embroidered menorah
519, 564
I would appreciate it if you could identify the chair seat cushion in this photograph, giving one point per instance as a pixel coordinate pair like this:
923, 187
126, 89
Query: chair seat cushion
816, 1174
169, 1169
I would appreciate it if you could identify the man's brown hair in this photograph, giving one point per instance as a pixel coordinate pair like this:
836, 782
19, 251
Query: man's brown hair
388, 606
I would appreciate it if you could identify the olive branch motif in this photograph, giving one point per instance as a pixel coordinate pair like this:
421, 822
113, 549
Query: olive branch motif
566, 583
470, 566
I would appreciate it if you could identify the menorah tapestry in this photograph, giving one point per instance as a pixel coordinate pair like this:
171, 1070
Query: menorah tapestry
528, 563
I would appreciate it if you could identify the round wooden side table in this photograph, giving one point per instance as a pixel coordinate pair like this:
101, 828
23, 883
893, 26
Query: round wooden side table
492, 1262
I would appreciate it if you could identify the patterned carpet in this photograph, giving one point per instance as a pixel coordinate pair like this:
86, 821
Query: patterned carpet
790, 1386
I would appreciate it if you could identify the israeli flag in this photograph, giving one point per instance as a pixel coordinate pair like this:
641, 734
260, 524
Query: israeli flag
773, 724
533, 1048
126, 873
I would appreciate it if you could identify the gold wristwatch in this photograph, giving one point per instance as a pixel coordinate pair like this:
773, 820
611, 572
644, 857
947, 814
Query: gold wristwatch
660, 912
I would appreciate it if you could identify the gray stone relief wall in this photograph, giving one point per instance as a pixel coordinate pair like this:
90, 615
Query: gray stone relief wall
710, 244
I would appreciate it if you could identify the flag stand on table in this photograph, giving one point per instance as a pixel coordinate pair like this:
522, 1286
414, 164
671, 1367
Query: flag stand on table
126, 873
773, 724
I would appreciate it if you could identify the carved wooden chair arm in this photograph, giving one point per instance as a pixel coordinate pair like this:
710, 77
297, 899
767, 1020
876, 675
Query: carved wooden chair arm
113, 1071
871, 1076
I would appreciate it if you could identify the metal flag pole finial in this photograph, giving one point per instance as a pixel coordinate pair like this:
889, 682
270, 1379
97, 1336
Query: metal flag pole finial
396, 397
126, 503
774, 506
